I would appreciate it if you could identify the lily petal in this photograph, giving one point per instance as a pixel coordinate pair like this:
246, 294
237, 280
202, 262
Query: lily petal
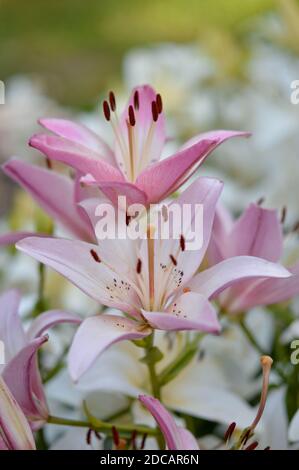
202, 192
47, 320
40, 182
258, 233
115, 189
215, 279
11, 329
14, 427
80, 134
190, 311
176, 438
266, 291
22, 377
95, 335
12, 238
164, 177
75, 155
78, 262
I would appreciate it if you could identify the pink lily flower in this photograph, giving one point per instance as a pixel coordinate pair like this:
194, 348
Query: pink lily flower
134, 168
152, 281
257, 232
176, 437
15, 431
21, 373
58, 195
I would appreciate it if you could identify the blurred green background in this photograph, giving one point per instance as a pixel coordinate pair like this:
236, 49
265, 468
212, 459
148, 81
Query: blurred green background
76, 47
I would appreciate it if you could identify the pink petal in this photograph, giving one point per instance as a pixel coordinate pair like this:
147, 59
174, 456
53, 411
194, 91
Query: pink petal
75, 260
222, 226
266, 292
204, 191
113, 190
232, 270
11, 329
79, 134
22, 377
40, 182
75, 155
176, 438
95, 335
47, 320
12, 238
257, 232
190, 311
15, 430
162, 178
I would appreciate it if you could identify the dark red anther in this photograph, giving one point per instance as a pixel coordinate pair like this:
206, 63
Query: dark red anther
49, 164
98, 435
136, 100
267, 448
159, 103
131, 113
143, 441
106, 110
182, 243
174, 261
88, 436
296, 227
139, 266
133, 439
229, 432
95, 256
155, 113
112, 101
252, 446
115, 436
283, 215
128, 219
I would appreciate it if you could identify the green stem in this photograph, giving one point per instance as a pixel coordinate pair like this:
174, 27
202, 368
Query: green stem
155, 385
259, 349
41, 283
124, 429
152, 370
251, 338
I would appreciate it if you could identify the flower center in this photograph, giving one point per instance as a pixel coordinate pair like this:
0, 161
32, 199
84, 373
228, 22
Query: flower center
133, 136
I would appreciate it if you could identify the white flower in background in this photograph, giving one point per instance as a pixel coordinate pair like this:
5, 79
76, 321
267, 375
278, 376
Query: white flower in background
25, 102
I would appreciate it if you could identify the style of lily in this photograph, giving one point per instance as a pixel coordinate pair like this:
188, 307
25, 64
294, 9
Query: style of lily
20, 373
148, 280
176, 437
15, 431
133, 168
257, 232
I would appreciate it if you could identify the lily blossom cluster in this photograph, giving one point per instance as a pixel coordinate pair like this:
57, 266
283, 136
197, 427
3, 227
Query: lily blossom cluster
151, 283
